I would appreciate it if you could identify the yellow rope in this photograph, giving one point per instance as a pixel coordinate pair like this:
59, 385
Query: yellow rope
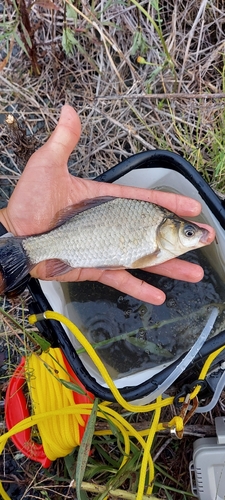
147, 456
205, 369
60, 435
58, 418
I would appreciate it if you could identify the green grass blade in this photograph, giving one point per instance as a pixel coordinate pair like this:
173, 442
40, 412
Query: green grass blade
156, 27
72, 386
84, 449
171, 488
20, 43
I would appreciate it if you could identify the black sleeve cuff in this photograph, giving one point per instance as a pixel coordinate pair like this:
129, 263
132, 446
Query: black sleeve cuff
3, 230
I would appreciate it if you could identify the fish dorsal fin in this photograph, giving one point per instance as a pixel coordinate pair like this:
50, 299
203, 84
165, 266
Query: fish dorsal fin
68, 212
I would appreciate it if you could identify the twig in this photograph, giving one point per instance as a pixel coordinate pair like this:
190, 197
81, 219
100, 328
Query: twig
97, 488
190, 36
162, 448
130, 130
194, 429
167, 95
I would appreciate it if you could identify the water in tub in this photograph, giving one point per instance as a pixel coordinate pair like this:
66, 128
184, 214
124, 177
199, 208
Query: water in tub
131, 336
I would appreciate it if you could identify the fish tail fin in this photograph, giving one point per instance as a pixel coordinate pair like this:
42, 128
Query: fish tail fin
14, 265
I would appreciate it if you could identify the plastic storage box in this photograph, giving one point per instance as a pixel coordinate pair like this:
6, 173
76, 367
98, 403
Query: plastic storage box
207, 470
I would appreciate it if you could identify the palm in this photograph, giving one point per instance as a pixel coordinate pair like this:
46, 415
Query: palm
46, 187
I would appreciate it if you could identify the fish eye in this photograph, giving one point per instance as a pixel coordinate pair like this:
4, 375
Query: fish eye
189, 230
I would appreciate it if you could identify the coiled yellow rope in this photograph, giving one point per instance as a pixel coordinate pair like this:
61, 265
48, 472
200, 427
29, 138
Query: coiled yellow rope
58, 418
60, 434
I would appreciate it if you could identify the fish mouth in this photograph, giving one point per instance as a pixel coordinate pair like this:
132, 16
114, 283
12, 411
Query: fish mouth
205, 236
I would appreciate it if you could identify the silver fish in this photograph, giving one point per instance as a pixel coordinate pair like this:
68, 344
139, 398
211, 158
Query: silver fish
108, 233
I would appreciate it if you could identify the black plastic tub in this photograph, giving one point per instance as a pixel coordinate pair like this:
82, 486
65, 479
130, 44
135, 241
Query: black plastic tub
158, 170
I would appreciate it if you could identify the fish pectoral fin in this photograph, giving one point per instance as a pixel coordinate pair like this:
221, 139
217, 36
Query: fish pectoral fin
56, 267
146, 261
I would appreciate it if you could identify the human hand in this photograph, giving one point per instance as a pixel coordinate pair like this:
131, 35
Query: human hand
46, 187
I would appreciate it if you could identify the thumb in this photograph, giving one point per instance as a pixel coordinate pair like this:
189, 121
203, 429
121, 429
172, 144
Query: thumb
62, 141
66, 134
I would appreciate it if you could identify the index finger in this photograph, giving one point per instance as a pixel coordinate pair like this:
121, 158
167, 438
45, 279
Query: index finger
177, 203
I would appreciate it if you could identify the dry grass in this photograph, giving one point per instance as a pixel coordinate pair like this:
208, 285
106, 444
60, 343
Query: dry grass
173, 98
113, 92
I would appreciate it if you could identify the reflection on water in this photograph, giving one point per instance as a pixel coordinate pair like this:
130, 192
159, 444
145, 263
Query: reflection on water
133, 335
